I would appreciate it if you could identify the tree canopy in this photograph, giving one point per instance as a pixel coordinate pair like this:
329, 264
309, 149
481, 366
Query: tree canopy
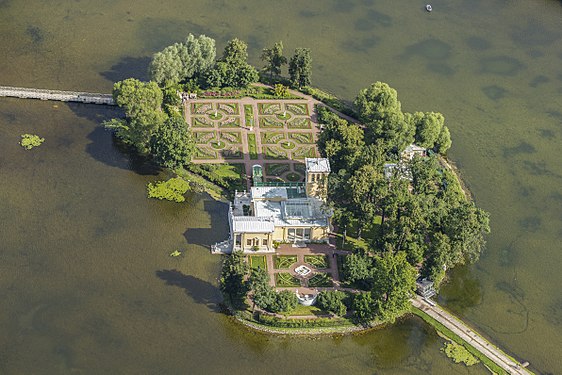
274, 59
183, 61
172, 145
300, 68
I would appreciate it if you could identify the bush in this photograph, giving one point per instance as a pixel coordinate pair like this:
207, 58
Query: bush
172, 190
332, 300
285, 301
299, 323
28, 141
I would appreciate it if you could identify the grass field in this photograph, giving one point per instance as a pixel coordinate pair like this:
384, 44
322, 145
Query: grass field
258, 261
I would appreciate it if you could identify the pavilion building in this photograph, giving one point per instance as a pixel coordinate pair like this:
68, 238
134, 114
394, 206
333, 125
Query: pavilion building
275, 213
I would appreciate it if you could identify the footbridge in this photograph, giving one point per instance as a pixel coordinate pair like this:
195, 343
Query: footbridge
507, 363
63, 96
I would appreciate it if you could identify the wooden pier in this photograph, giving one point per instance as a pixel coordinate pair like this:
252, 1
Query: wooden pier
63, 96
501, 359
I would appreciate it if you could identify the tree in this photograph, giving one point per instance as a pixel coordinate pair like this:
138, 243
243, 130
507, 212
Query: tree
394, 282
428, 128
172, 145
167, 65
281, 91
263, 294
274, 59
142, 102
363, 187
380, 110
300, 67
357, 269
286, 301
363, 307
232, 283
232, 70
182, 61
443, 142
332, 300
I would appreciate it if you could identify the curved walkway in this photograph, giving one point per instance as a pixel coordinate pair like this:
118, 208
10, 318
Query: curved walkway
471, 337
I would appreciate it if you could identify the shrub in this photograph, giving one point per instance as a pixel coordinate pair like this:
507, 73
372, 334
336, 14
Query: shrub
285, 301
28, 141
172, 190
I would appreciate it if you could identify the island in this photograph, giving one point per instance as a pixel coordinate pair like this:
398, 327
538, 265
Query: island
342, 217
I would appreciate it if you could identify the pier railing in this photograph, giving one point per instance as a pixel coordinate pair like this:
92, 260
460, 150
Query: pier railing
64, 96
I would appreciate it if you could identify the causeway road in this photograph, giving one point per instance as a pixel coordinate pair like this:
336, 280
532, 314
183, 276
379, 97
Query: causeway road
470, 336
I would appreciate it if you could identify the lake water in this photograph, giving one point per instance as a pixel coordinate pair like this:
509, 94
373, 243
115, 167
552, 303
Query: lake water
86, 283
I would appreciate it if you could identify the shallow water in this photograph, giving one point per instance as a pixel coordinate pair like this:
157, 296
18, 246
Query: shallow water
87, 285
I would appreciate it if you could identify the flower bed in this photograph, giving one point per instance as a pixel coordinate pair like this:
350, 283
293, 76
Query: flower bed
270, 122
285, 279
271, 137
230, 122
304, 152
273, 152
317, 261
252, 146
285, 261
229, 108
268, 108
299, 123
276, 169
204, 153
203, 137
203, 122
200, 108
302, 137
321, 280
249, 115
293, 177
297, 109
232, 137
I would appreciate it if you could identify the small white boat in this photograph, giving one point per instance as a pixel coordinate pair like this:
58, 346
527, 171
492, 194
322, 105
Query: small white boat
428, 7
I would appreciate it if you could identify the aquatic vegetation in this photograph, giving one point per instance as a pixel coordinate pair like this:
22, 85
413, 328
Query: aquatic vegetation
459, 354
172, 190
28, 141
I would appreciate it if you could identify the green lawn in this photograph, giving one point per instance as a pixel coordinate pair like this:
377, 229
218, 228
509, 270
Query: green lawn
249, 115
285, 279
321, 280
285, 261
318, 261
252, 147
258, 261
301, 310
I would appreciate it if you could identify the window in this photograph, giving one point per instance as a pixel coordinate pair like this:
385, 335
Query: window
307, 234
249, 242
238, 241
264, 242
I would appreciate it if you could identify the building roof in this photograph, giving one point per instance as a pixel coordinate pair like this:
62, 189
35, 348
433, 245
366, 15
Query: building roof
413, 148
252, 224
269, 192
317, 165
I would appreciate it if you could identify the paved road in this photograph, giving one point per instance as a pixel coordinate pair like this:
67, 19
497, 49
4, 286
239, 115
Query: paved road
467, 334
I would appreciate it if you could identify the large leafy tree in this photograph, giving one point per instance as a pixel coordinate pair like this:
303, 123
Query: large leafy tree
142, 102
332, 300
357, 269
182, 61
394, 281
300, 68
274, 59
380, 110
232, 283
363, 308
232, 70
365, 194
428, 128
263, 294
172, 145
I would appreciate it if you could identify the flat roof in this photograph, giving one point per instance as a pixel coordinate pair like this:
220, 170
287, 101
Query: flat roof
268, 192
317, 165
252, 224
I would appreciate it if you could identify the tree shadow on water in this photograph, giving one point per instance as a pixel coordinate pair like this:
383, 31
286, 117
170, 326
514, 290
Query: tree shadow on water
104, 147
201, 291
128, 67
